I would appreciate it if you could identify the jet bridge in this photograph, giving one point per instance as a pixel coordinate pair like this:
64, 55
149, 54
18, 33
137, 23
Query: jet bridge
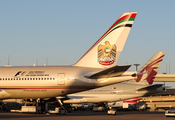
164, 78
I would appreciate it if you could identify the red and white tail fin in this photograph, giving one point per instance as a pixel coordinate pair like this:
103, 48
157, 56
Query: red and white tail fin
151, 68
105, 52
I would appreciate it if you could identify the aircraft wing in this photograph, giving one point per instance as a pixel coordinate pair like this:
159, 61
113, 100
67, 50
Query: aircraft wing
152, 87
111, 72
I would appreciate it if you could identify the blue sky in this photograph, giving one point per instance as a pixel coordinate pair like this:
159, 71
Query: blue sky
62, 31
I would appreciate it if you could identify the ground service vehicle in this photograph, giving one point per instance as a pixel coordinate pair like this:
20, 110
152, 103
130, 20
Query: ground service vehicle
170, 112
111, 112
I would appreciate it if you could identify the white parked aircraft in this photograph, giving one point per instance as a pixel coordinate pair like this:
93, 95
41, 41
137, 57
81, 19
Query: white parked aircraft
95, 68
122, 91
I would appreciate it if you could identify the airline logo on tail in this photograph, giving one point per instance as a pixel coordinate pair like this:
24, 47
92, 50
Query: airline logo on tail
151, 70
106, 51
106, 54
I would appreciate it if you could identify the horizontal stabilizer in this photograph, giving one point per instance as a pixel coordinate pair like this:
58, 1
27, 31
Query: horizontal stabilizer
152, 87
111, 72
142, 73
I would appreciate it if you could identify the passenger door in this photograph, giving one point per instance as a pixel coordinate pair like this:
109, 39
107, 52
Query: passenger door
61, 78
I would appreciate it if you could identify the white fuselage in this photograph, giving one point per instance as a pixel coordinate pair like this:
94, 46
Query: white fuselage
110, 93
48, 81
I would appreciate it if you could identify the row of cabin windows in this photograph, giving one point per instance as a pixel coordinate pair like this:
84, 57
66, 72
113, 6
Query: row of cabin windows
27, 78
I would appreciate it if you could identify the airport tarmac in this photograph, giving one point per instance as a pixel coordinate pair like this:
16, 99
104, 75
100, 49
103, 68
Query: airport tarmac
88, 115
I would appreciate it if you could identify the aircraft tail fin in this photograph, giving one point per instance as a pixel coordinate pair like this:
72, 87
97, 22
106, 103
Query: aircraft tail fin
151, 68
105, 52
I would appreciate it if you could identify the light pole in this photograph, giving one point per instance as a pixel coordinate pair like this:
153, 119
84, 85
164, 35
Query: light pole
136, 66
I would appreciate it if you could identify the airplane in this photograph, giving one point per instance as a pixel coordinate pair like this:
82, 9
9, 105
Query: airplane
96, 68
141, 86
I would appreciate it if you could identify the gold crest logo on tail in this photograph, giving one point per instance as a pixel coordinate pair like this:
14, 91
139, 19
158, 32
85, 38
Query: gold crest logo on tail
106, 54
